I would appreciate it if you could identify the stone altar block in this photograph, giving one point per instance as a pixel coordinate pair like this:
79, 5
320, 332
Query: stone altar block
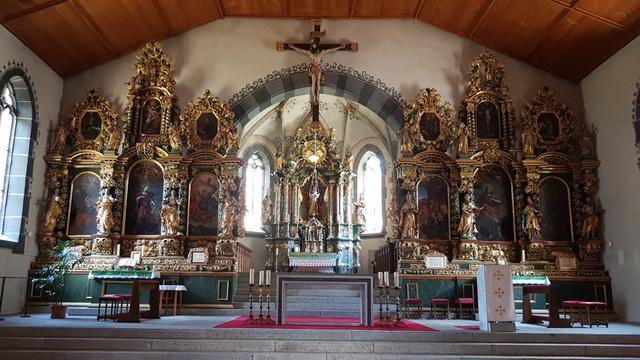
496, 307
317, 288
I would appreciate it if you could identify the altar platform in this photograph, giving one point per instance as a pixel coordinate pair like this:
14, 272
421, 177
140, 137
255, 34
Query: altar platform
194, 337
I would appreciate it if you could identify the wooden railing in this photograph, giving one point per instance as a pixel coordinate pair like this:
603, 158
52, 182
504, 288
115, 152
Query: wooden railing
243, 256
386, 258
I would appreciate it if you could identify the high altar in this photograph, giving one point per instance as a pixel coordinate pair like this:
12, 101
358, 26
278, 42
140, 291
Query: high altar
157, 182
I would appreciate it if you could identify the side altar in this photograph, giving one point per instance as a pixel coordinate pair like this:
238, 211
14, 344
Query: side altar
156, 183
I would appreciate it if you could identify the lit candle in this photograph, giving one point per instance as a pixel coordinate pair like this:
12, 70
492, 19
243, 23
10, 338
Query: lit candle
261, 278
276, 251
252, 277
267, 278
380, 284
386, 279
523, 259
118, 250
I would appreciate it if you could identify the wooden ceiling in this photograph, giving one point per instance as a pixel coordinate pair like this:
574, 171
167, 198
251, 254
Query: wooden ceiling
569, 38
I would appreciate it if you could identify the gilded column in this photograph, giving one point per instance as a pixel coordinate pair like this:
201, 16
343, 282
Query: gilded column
285, 206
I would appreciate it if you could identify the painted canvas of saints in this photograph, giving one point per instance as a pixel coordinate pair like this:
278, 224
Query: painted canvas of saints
555, 210
151, 118
548, 127
492, 192
487, 120
144, 199
91, 125
429, 126
207, 126
82, 212
203, 205
433, 209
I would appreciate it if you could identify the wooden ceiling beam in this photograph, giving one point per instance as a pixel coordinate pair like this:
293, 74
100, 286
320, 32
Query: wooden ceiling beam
418, 9
551, 29
485, 12
169, 30
30, 10
88, 20
617, 25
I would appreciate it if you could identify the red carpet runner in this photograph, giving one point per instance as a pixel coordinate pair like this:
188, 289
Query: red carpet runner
242, 323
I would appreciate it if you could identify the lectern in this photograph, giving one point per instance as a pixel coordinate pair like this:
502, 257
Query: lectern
496, 308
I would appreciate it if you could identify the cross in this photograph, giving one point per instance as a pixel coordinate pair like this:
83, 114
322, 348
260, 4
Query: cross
316, 52
499, 292
498, 275
501, 310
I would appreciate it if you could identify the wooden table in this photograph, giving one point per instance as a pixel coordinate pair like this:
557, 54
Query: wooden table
134, 314
554, 315
177, 296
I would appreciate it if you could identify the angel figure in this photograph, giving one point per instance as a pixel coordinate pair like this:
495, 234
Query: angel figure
528, 141
52, 217
104, 216
359, 207
591, 221
279, 163
463, 139
175, 139
232, 140
532, 221
406, 145
60, 139
114, 139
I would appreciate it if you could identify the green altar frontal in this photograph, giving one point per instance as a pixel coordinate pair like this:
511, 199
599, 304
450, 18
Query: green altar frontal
203, 289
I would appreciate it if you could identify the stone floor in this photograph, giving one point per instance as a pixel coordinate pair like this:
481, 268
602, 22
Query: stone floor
207, 322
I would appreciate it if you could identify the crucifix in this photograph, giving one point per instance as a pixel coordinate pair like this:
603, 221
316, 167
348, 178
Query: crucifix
316, 52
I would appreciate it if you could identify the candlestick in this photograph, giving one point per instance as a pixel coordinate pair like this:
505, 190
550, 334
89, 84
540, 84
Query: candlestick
522, 257
380, 280
118, 250
386, 279
260, 300
251, 303
267, 278
261, 278
252, 277
396, 279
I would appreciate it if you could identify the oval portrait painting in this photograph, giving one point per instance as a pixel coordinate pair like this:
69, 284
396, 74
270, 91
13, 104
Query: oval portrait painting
91, 125
207, 126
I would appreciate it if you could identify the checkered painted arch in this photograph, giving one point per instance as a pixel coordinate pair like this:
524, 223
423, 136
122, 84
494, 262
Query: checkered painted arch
338, 81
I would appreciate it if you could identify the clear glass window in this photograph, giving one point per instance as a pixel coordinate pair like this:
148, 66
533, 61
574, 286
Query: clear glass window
370, 180
255, 191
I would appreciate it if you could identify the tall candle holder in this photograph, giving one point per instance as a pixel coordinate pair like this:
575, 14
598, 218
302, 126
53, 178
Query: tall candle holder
386, 303
268, 319
382, 320
260, 300
251, 319
398, 322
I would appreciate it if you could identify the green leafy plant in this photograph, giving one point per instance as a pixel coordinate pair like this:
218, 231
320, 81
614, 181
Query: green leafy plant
51, 278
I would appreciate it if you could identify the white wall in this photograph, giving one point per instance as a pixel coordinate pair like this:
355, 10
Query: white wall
48, 89
608, 95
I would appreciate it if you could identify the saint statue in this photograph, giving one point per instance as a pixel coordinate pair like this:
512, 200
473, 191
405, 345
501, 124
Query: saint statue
315, 68
232, 140
408, 221
227, 216
104, 217
60, 139
467, 227
169, 217
279, 163
463, 139
313, 202
114, 139
52, 217
406, 145
266, 209
591, 221
359, 207
532, 222
528, 141
175, 139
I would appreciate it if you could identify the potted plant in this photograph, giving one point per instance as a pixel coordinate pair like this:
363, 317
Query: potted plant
51, 278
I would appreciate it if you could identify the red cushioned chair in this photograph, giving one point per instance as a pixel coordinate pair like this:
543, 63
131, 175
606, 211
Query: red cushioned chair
468, 304
112, 306
571, 310
593, 313
439, 305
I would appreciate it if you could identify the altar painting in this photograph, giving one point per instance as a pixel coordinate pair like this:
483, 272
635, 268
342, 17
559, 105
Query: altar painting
555, 210
207, 126
203, 205
82, 208
429, 126
548, 127
91, 125
433, 209
487, 120
151, 118
492, 192
144, 199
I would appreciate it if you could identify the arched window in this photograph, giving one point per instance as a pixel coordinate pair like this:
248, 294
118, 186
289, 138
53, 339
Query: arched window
18, 129
370, 187
255, 182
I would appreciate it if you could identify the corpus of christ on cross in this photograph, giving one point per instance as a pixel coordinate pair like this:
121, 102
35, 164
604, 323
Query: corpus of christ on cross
316, 52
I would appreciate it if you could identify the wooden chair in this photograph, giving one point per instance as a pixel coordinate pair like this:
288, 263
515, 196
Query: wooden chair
112, 306
593, 313
439, 305
468, 304
412, 301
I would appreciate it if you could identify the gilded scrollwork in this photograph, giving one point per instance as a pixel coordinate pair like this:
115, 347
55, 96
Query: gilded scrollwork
208, 123
429, 123
92, 122
548, 125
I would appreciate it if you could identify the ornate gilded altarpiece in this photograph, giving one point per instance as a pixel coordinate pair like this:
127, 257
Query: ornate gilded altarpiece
469, 191
153, 181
